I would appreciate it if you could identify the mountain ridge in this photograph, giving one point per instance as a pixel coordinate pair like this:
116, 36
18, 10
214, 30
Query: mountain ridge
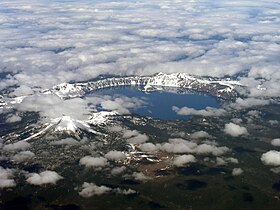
220, 88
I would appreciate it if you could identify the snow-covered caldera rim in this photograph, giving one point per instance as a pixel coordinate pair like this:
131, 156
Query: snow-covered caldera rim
223, 88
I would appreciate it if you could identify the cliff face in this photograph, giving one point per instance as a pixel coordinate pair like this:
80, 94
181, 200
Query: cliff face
219, 88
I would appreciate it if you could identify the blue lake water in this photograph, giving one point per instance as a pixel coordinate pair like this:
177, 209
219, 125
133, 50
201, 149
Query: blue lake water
159, 103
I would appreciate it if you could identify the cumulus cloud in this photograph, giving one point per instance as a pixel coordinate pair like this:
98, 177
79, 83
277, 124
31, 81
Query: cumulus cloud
273, 122
115, 128
13, 119
211, 149
20, 145
232, 160
118, 103
235, 130
182, 160
179, 145
207, 112
139, 139
90, 189
93, 162
148, 147
139, 176
67, 141
6, 178
271, 157
45, 177
276, 142
249, 102
23, 156
124, 191
275, 170
122, 104
236, 120
237, 171
200, 134
133, 136
224, 161
115, 155
130, 133
76, 108
118, 170
220, 161
22, 90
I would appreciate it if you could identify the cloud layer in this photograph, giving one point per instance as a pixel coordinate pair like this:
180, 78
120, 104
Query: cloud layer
144, 37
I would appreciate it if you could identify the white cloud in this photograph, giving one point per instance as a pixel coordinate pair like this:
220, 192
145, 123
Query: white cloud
249, 102
13, 118
182, 160
200, 134
134, 137
208, 111
139, 139
273, 122
118, 103
115, 155
118, 170
124, 191
254, 114
23, 156
122, 104
220, 161
224, 161
130, 133
236, 120
178, 145
90, 189
131, 39
176, 148
148, 147
276, 142
67, 141
51, 106
211, 149
93, 162
45, 177
271, 157
139, 176
232, 160
20, 145
6, 176
22, 90
115, 128
275, 170
235, 130
237, 171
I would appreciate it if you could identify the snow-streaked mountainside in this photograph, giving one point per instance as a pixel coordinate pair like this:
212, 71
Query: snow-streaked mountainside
216, 87
71, 126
